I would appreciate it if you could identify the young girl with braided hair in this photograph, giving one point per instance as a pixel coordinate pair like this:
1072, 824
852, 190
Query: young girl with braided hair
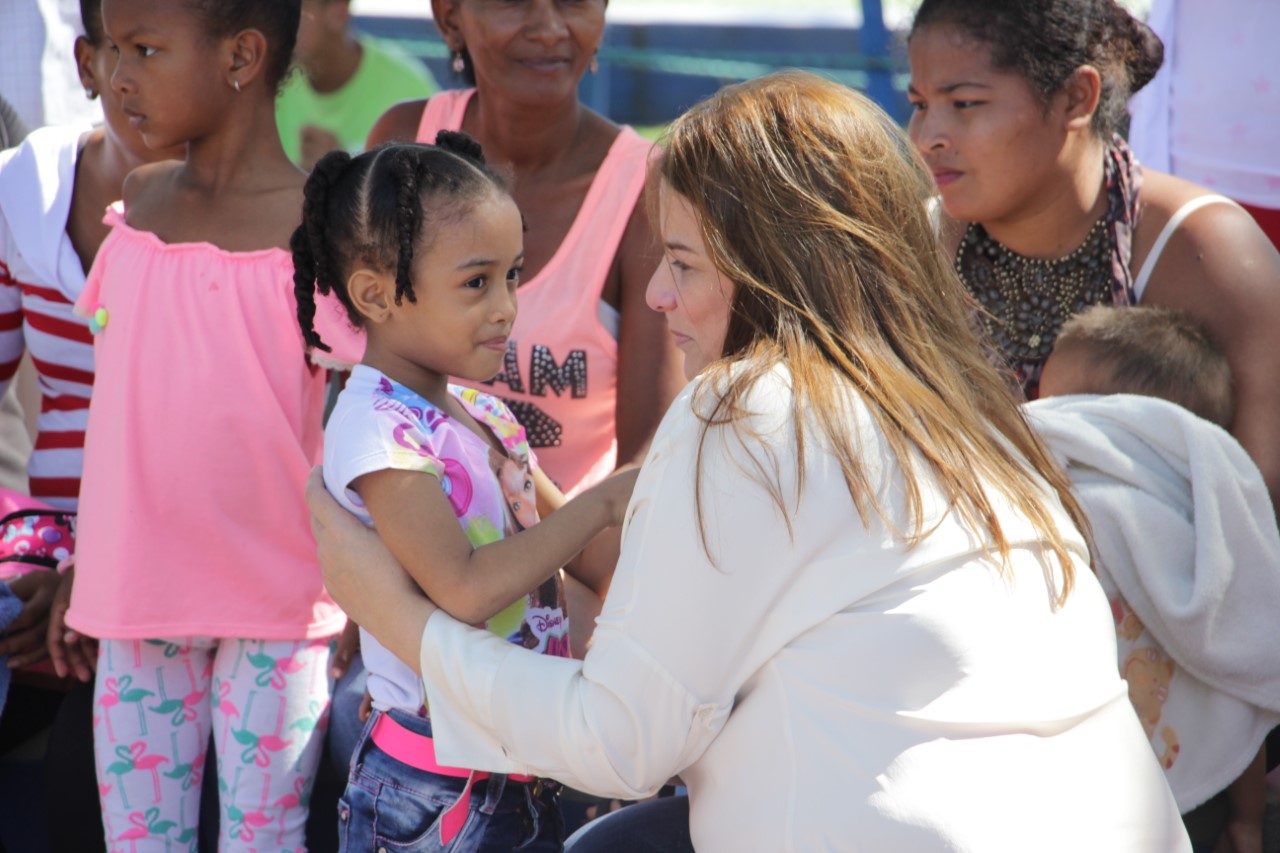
196, 568
423, 246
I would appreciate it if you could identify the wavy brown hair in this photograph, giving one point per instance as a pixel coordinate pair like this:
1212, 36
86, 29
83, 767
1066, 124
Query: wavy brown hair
811, 200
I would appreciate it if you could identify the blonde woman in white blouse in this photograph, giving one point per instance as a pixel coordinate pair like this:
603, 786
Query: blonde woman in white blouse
853, 608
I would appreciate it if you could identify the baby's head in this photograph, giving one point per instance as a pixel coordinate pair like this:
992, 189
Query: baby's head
1155, 352
376, 230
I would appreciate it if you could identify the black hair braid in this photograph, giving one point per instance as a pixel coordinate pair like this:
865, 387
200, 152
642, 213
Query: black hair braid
462, 144
327, 173
304, 286
313, 268
408, 218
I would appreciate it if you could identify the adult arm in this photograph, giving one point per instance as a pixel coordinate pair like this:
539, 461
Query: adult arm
650, 373
650, 368
1220, 268
398, 124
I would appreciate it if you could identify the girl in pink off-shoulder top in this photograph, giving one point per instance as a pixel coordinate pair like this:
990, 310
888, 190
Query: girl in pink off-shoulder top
196, 568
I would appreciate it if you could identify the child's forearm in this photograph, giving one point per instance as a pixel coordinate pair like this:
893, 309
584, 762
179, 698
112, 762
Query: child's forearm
495, 575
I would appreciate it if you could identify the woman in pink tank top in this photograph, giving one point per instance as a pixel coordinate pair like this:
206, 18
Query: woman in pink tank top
591, 368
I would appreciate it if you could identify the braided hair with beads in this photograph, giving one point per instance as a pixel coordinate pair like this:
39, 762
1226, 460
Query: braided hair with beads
374, 211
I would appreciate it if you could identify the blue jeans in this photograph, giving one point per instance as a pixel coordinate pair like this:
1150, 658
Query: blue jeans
652, 826
389, 805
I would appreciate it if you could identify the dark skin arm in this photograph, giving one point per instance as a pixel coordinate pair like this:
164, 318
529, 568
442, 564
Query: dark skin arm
650, 369
1220, 268
398, 124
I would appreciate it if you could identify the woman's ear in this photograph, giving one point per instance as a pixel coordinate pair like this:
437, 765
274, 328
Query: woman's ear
372, 294
1082, 91
247, 55
444, 12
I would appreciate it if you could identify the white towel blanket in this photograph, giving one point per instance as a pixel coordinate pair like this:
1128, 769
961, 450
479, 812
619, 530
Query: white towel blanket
1186, 546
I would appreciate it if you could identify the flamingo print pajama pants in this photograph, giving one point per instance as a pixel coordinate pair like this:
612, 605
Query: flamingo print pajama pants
155, 703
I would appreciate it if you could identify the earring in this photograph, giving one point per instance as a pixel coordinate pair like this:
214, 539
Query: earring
236, 84
594, 67
90, 92
459, 65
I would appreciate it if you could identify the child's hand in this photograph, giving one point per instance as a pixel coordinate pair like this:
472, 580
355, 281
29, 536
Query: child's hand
24, 641
70, 651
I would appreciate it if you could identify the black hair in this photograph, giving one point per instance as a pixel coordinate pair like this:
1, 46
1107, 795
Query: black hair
277, 20
91, 20
371, 211
1045, 41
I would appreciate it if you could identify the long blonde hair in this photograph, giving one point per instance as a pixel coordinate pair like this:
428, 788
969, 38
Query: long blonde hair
811, 200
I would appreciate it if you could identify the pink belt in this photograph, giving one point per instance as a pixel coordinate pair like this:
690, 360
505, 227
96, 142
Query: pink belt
418, 751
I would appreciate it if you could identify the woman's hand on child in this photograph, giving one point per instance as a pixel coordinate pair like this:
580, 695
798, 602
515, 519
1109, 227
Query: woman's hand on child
24, 641
72, 653
359, 572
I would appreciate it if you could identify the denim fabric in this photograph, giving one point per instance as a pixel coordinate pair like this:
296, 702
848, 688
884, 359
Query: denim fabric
652, 826
392, 806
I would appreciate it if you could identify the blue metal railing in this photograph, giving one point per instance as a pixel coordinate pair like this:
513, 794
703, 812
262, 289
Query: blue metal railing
626, 63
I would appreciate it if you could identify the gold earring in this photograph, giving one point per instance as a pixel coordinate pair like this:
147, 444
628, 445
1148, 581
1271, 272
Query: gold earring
459, 65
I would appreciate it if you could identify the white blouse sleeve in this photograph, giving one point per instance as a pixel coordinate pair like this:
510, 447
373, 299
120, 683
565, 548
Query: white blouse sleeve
678, 636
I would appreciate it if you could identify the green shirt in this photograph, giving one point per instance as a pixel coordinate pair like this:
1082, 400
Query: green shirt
385, 77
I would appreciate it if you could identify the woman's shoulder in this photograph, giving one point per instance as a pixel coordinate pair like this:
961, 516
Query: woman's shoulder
1165, 196
399, 123
1215, 245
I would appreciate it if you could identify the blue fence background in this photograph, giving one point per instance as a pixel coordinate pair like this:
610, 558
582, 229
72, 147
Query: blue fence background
651, 72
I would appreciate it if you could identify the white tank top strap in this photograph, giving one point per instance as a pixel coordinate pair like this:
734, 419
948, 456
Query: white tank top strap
1149, 265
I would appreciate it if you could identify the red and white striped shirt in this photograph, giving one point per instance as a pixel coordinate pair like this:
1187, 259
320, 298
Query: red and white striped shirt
40, 278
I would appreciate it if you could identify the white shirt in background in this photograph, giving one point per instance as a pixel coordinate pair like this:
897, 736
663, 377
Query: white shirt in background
1212, 114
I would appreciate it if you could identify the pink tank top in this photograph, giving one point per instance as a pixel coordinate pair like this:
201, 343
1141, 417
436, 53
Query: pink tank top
560, 377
